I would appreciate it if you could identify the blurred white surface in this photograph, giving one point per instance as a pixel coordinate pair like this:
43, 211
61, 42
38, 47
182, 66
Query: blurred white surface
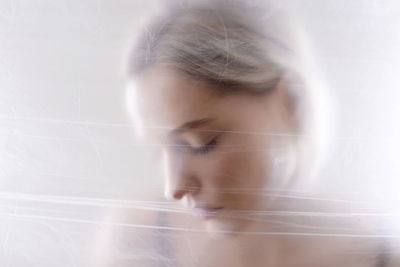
66, 150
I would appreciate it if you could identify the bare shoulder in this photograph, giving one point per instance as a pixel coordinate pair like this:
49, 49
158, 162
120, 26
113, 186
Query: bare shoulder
392, 253
393, 260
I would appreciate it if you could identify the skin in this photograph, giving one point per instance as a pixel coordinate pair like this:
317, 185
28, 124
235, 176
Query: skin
227, 173
239, 157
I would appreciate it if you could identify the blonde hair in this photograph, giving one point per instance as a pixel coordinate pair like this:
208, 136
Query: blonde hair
240, 47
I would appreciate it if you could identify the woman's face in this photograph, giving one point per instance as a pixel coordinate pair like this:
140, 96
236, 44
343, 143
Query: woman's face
218, 152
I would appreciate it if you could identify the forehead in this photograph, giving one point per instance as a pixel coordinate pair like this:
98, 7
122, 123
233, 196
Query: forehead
167, 98
164, 99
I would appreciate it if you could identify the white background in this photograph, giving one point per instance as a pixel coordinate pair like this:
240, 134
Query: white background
65, 139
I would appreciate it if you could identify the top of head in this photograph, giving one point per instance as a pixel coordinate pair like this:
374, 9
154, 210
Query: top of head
236, 47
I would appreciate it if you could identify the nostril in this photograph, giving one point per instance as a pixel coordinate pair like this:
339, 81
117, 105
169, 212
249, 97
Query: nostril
174, 193
178, 194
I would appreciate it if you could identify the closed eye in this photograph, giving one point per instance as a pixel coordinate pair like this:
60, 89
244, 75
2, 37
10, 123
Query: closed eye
206, 148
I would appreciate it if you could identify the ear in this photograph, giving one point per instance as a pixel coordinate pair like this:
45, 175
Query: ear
289, 93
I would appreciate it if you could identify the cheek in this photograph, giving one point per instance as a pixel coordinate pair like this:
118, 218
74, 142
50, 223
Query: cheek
240, 170
240, 180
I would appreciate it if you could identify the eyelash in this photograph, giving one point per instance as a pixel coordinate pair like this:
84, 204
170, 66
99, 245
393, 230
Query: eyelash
206, 148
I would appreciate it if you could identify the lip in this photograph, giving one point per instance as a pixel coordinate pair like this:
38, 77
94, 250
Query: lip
206, 213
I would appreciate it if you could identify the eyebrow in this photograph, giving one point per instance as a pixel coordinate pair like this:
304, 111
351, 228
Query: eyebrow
190, 125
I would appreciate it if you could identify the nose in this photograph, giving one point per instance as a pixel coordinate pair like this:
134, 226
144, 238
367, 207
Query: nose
180, 177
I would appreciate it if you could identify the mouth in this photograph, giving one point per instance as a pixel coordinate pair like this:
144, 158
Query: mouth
206, 213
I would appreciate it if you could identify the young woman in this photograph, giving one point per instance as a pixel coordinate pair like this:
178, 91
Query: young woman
228, 92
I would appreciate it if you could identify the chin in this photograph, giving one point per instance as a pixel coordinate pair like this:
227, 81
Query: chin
223, 227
